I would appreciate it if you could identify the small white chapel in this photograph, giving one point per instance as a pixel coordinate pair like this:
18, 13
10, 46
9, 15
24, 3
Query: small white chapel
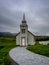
24, 37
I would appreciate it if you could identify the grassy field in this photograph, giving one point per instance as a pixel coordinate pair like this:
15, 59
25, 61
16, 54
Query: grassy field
39, 49
6, 44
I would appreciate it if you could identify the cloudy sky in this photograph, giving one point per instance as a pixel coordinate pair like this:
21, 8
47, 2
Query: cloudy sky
36, 15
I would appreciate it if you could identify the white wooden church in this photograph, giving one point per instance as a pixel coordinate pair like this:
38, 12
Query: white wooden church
24, 37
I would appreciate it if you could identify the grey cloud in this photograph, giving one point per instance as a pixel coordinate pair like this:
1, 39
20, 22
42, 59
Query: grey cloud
37, 15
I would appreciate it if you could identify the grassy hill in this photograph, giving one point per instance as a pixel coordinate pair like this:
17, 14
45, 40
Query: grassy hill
39, 49
6, 44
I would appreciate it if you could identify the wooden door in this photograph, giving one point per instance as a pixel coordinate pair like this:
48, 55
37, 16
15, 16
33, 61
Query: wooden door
23, 41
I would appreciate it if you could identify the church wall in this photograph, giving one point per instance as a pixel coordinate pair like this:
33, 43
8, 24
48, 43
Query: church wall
18, 39
23, 35
30, 39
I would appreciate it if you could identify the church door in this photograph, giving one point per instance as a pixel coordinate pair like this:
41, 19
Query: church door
23, 41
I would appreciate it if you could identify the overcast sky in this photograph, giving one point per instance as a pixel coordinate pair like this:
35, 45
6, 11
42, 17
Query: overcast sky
36, 15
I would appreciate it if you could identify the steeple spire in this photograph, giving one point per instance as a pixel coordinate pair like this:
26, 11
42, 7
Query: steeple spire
24, 21
23, 16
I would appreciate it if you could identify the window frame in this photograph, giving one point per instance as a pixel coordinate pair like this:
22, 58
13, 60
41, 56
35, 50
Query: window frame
23, 31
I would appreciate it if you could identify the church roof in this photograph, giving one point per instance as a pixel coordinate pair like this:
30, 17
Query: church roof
28, 31
18, 33
31, 33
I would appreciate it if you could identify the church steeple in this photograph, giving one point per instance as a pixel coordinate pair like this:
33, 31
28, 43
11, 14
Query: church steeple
23, 30
23, 16
23, 21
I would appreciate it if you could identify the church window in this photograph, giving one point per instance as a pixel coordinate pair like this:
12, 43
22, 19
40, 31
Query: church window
23, 31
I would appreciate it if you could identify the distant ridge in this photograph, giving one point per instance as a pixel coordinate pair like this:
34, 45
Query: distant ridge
7, 34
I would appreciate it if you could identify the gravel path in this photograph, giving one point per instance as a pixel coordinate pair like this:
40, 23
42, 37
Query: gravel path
25, 57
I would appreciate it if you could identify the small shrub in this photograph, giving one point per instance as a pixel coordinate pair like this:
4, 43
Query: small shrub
48, 44
36, 43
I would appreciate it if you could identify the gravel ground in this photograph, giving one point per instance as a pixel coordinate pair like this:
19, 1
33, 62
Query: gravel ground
24, 57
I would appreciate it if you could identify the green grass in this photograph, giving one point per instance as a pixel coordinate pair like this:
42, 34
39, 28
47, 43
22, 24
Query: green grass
39, 49
6, 44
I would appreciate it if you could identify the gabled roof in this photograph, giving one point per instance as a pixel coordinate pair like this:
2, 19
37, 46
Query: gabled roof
28, 31
17, 33
31, 33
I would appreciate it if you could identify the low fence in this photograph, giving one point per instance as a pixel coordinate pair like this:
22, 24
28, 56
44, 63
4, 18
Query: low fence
44, 42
